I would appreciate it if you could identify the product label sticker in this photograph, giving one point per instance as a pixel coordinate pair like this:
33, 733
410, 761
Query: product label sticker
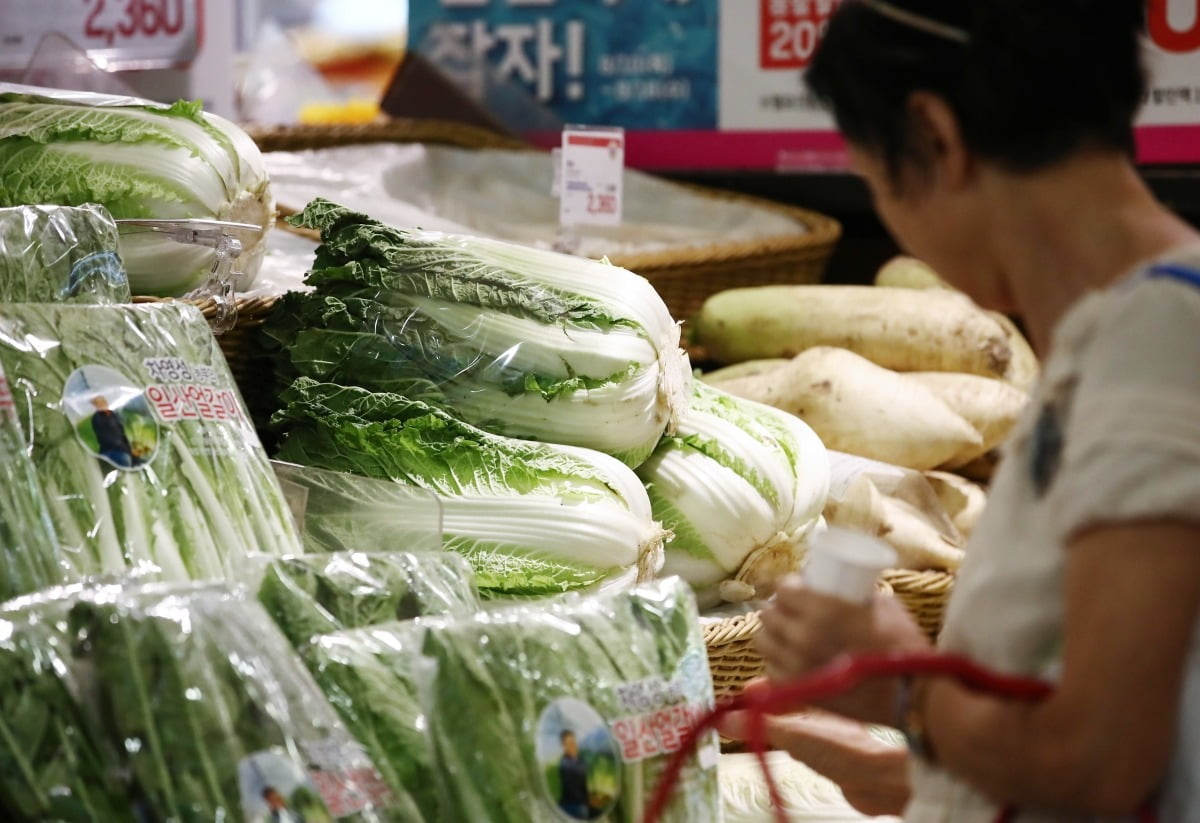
183, 391
274, 787
591, 176
111, 417
659, 713
579, 760
345, 778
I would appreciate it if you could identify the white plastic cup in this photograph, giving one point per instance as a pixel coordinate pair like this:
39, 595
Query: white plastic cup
845, 564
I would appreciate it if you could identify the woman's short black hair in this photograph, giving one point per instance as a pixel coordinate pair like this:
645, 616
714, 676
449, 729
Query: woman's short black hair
1037, 79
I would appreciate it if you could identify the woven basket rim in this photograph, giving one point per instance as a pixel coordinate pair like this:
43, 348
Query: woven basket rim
248, 308
912, 582
392, 130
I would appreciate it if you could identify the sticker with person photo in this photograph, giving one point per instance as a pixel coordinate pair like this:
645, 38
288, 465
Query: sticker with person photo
579, 759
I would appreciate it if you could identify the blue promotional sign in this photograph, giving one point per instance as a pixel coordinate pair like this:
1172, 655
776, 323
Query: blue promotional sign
716, 84
642, 64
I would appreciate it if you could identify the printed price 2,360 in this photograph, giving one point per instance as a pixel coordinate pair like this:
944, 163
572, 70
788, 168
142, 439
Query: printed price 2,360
108, 20
602, 203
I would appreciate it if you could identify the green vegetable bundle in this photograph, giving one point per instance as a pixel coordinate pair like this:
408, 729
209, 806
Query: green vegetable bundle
532, 518
167, 703
139, 159
141, 443
498, 694
522, 342
319, 594
60, 253
741, 485
29, 555
374, 679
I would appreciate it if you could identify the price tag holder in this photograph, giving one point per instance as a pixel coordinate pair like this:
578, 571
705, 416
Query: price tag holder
116, 34
591, 176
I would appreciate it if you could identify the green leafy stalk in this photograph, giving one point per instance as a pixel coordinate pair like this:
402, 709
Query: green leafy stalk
158, 703
111, 520
388, 436
29, 554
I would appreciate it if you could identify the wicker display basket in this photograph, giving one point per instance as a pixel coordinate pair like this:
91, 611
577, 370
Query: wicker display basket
684, 277
924, 594
734, 660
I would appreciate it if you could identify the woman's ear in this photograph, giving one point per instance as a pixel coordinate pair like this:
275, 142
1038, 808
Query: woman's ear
938, 139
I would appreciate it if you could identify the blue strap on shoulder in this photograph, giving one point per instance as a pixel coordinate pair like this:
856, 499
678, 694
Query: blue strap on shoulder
1171, 271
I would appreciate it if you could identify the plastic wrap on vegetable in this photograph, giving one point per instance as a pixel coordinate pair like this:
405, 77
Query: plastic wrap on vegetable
60, 254
139, 159
742, 486
374, 678
532, 518
522, 342
562, 711
340, 512
168, 703
140, 440
29, 554
319, 594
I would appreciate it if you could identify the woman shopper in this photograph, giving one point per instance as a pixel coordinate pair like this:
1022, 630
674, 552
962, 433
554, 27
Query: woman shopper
996, 139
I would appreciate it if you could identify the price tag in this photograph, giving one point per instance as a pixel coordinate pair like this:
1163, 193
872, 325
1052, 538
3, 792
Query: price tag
593, 164
116, 34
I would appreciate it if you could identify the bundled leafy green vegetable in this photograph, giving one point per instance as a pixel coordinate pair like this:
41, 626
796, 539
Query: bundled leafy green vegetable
532, 518
319, 594
54, 762
374, 679
139, 159
29, 555
522, 342
60, 253
168, 703
141, 443
623, 674
741, 485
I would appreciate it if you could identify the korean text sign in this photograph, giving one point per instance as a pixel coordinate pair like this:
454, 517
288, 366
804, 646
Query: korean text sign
702, 84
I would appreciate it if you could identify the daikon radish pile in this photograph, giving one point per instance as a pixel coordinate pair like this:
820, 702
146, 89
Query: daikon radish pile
963, 500
981, 468
858, 407
991, 406
1023, 369
898, 328
918, 541
909, 273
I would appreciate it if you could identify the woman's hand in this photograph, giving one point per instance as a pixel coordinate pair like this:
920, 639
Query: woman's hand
872, 775
803, 630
